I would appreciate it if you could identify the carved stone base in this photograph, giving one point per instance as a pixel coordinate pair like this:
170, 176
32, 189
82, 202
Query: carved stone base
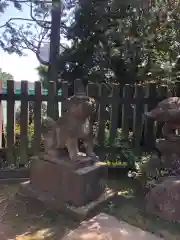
66, 187
65, 160
79, 213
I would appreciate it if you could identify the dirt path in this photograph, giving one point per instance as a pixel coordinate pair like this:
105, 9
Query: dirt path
28, 219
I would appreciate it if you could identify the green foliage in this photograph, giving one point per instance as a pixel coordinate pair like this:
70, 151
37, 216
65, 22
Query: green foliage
122, 41
119, 41
31, 112
43, 75
4, 77
151, 169
30, 134
30, 130
126, 156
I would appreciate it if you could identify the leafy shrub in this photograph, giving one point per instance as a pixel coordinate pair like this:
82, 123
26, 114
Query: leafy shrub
126, 156
17, 133
30, 129
154, 168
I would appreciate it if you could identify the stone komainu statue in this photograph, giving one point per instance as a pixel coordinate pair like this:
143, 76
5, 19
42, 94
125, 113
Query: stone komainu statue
168, 112
75, 124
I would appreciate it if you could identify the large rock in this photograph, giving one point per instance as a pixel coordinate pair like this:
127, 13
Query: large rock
106, 227
164, 199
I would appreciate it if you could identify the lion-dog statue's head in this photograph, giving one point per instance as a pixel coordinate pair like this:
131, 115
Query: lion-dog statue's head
80, 106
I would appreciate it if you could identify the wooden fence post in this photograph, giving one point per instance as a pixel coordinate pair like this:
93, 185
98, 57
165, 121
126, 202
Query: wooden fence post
64, 95
37, 117
10, 123
114, 114
1, 117
177, 89
162, 94
126, 110
93, 90
51, 106
78, 87
138, 118
149, 130
24, 124
101, 117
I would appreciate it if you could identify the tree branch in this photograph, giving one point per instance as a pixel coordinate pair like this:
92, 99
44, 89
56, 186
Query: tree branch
20, 19
39, 46
28, 1
39, 22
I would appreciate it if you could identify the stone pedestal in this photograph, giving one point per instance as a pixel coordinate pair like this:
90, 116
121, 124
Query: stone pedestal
76, 187
168, 147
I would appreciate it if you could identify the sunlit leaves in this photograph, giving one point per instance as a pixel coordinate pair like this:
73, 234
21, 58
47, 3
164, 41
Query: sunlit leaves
125, 39
17, 5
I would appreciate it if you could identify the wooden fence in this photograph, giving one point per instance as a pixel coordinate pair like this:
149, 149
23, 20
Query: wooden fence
132, 102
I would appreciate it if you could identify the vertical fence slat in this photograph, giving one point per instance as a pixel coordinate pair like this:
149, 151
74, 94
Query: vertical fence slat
114, 114
177, 89
162, 94
24, 124
138, 118
64, 95
92, 90
1, 117
37, 118
101, 130
51, 110
149, 130
126, 110
10, 123
78, 86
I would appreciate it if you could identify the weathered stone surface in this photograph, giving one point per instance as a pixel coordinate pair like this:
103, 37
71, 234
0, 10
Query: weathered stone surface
106, 227
164, 199
168, 147
62, 175
65, 160
76, 189
73, 186
77, 213
73, 125
166, 110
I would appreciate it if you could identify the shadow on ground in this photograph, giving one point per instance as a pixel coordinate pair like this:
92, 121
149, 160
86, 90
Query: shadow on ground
28, 219
129, 206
